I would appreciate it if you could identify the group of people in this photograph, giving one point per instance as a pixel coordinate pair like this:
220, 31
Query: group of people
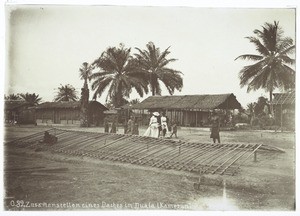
158, 126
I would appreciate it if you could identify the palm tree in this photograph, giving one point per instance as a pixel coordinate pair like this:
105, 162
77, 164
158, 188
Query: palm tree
85, 72
272, 67
134, 101
153, 64
117, 74
66, 93
12, 97
32, 99
250, 108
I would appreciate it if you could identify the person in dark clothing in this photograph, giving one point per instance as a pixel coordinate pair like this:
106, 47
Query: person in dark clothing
215, 128
113, 127
174, 129
106, 126
130, 125
49, 138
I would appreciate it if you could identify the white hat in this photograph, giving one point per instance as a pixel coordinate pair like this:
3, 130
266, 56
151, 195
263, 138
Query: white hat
156, 114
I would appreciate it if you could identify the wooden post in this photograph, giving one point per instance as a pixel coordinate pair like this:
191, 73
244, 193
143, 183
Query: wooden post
255, 156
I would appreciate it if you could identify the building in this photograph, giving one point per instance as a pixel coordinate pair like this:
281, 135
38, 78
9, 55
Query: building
284, 109
17, 111
189, 110
68, 113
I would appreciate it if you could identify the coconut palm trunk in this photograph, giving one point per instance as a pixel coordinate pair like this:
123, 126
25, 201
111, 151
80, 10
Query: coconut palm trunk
84, 101
85, 72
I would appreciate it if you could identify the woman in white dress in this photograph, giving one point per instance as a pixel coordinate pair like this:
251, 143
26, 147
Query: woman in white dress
152, 130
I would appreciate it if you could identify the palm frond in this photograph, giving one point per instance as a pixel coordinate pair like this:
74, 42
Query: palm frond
259, 46
250, 57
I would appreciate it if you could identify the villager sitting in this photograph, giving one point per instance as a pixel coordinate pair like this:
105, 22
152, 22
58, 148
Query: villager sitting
49, 138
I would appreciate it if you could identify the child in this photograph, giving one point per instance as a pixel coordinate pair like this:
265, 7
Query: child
174, 130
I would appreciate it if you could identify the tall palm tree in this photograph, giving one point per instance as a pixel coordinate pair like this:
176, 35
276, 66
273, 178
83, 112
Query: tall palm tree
84, 72
272, 67
66, 93
153, 64
117, 74
32, 99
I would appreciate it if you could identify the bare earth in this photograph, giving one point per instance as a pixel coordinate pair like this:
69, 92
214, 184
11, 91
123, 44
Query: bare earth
81, 183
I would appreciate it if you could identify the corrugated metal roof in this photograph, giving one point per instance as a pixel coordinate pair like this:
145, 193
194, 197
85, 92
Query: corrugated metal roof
203, 102
284, 98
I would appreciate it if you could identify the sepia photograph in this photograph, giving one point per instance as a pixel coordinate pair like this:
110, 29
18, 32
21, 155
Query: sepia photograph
146, 107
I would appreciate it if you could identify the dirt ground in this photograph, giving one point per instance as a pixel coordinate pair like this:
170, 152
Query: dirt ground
80, 183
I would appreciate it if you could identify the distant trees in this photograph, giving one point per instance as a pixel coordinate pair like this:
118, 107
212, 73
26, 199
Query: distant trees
272, 67
66, 93
32, 99
259, 113
12, 97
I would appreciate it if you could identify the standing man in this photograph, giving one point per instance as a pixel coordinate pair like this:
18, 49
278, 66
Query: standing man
130, 125
215, 128
106, 126
174, 129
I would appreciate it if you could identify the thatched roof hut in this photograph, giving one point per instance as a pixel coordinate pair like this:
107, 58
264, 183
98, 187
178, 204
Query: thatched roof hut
190, 102
284, 98
67, 112
284, 109
189, 110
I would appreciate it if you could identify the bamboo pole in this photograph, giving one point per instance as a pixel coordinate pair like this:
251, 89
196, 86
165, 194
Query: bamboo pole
242, 149
234, 161
254, 151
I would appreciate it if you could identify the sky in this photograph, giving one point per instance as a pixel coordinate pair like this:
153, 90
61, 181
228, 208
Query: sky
47, 44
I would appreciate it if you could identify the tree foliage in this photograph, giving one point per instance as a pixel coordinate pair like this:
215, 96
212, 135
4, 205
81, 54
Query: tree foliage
272, 67
66, 93
32, 99
12, 97
153, 64
117, 73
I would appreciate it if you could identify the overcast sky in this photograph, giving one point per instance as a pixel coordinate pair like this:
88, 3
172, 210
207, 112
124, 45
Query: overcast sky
47, 44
